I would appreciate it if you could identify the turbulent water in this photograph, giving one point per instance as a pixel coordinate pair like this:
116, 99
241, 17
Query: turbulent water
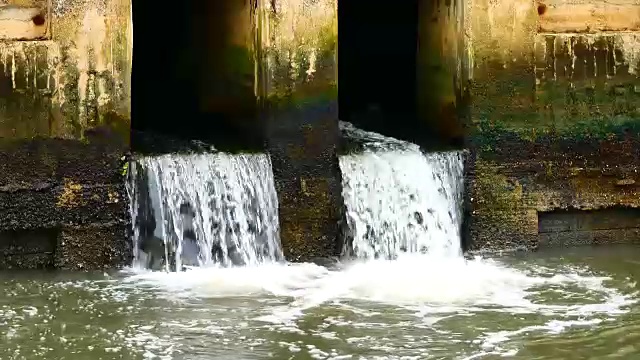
204, 209
400, 200
569, 305
404, 291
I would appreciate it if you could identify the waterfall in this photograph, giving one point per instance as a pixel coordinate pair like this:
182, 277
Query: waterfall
203, 210
400, 200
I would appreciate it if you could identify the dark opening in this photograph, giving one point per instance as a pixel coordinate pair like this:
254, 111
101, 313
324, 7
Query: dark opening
542, 8
377, 63
190, 79
377, 66
28, 249
38, 20
573, 220
616, 224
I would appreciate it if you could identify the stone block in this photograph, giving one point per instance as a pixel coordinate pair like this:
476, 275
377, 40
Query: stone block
558, 16
554, 192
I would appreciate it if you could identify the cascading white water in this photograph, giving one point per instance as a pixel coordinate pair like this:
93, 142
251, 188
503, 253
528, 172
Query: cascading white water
400, 204
399, 200
204, 209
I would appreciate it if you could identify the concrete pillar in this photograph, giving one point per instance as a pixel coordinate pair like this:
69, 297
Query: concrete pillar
226, 71
298, 92
441, 104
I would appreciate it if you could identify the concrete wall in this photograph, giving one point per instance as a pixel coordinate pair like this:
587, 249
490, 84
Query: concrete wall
298, 96
555, 117
64, 129
65, 110
442, 94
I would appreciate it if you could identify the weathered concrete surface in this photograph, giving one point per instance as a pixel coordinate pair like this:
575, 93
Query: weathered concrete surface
509, 191
554, 115
298, 88
28, 249
591, 227
55, 183
28, 20
588, 16
64, 129
441, 79
93, 247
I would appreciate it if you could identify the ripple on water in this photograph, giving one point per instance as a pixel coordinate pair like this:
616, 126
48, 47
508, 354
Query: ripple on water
416, 306
458, 301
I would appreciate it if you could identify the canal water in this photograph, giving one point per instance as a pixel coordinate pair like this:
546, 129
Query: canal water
573, 304
209, 280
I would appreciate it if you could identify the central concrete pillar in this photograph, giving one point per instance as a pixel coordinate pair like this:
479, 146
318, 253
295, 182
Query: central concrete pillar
441, 88
298, 93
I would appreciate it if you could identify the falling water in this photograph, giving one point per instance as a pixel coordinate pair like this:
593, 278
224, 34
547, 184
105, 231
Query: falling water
407, 292
399, 200
204, 209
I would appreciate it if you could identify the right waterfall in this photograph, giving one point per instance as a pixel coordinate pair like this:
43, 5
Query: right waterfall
399, 199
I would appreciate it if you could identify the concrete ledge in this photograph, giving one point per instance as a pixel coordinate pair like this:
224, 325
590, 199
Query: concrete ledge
69, 203
303, 142
592, 237
51, 188
32, 249
26, 261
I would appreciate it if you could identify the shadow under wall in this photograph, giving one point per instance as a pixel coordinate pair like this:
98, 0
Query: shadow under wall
379, 68
193, 74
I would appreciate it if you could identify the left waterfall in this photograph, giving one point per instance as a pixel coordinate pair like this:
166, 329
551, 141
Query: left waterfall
212, 209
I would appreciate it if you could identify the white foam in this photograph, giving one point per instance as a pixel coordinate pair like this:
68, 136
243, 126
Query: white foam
433, 290
421, 282
400, 200
402, 265
231, 202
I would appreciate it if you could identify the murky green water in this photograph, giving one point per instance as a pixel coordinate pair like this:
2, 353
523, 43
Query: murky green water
573, 304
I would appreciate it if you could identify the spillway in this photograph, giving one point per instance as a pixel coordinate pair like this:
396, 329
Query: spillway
399, 199
203, 210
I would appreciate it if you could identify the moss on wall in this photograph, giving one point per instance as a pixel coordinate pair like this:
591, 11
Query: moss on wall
64, 125
532, 82
73, 82
299, 47
554, 120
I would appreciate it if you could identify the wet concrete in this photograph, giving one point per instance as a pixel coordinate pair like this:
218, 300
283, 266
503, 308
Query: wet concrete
50, 186
303, 145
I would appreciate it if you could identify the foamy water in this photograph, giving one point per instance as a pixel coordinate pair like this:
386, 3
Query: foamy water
406, 291
400, 200
211, 209
427, 290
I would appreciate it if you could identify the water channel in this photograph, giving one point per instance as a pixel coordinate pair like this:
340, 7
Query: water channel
210, 282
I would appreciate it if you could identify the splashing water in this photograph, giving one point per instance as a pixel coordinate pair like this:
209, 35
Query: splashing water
205, 209
400, 200
403, 290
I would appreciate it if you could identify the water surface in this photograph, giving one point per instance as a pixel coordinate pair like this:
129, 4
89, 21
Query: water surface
570, 304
